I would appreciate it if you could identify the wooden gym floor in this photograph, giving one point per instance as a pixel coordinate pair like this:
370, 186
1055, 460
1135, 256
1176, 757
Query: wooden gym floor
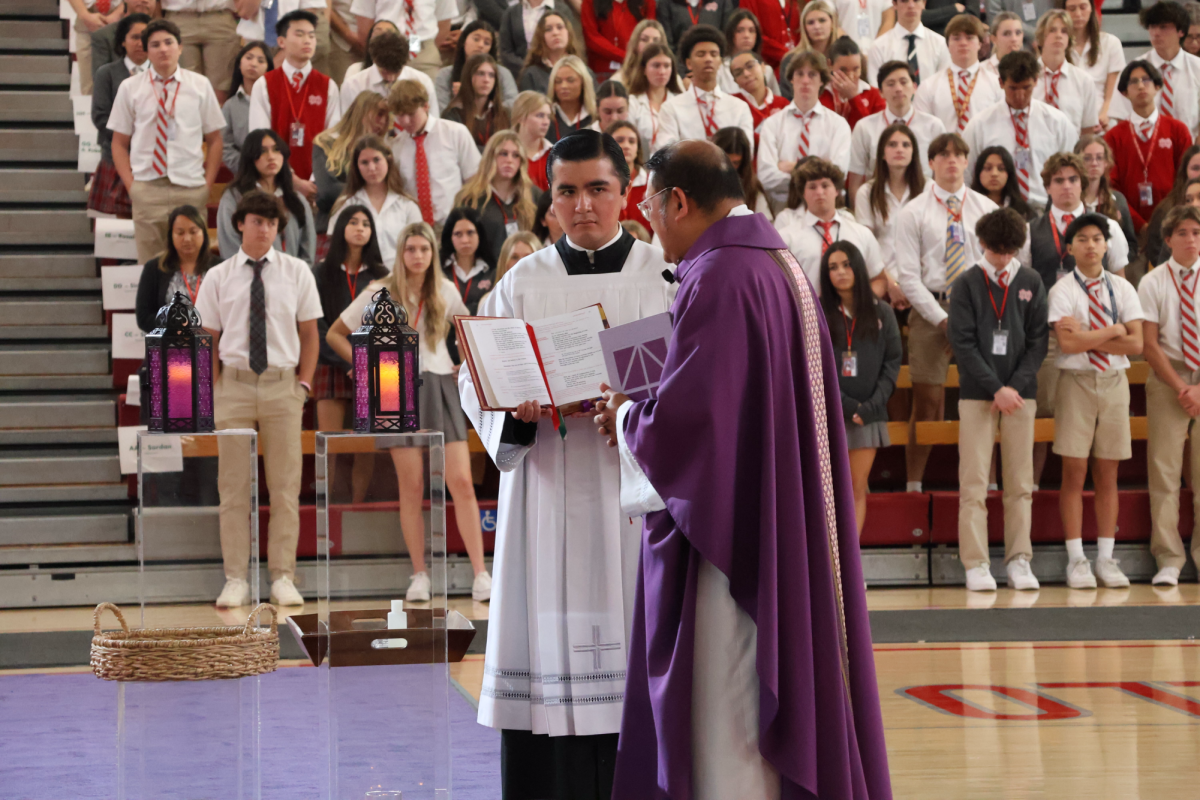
1044, 719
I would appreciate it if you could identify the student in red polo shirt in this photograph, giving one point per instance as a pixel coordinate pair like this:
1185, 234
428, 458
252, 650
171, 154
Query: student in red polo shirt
607, 26
297, 102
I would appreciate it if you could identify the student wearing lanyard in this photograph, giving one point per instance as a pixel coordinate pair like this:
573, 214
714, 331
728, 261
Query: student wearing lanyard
468, 256
847, 93
867, 350
501, 191
572, 96
998, 332
964, 88
1169, 343
180, 269
654, 82
431, 302
479, 104
375, 182
1097, 320
705, 108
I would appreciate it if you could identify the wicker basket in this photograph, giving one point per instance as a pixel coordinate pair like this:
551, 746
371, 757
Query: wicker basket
184, 654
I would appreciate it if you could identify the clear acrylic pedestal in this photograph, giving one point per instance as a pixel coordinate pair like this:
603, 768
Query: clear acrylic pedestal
386, 689
184, 740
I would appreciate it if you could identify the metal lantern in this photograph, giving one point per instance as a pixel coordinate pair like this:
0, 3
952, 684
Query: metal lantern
179, 354
385, 369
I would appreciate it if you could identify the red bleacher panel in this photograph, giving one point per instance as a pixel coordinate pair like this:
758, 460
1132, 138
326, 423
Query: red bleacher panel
896, 519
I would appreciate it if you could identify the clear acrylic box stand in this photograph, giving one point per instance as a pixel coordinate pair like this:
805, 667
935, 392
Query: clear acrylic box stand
181, 740
387, 693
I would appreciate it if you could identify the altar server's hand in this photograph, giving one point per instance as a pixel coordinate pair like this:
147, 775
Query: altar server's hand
606, 420
530, 411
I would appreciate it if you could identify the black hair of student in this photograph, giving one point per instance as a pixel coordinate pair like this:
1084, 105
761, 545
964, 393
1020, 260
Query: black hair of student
1002, 231
1166, 13
611, 89
329, 271
540, 229
1090, 219
246, 179
842, 46
238, 81
1019, 66
158, 25
735, 19
122, 30
299, 15
733, 140
260, 204
460, 52
704, 176
1011, 193
169, 261
697, 34
602, 8
389, 51
587, 146
889, 67
1151, 72
447, 244
866, 314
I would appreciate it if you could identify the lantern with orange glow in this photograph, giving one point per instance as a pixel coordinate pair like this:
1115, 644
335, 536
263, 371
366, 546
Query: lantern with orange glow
179, 356
385, 369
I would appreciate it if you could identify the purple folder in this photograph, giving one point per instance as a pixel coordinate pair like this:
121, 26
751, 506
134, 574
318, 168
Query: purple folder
635, 353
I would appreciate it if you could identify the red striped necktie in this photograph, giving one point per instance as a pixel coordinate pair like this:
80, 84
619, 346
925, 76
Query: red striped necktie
161, 123
1167, 101
1052, 87
1020, 121
1099, 319
424, 185
1187, 319
826, 236
805, 118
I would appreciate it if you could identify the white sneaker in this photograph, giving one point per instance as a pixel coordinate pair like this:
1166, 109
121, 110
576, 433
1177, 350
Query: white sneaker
235, 594
1109, 573
283, 593
1167, 576
418, 588
1020, 575
481, 590
1079, 574
979, 579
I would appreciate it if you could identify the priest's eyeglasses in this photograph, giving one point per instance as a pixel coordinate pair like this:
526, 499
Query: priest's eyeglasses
644, 206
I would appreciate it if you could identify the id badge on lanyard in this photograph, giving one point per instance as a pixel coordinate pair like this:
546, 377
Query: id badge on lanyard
864, 26
296, 135
1024, 159
849, 364
1146, 193
172, 129
1000, 343
1029, 12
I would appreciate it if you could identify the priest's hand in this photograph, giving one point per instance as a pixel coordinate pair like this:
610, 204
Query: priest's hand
606, 420
530, 411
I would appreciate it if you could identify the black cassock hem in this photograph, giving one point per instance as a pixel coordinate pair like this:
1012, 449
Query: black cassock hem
535, 766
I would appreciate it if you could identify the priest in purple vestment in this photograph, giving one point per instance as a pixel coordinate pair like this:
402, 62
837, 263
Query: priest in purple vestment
751, 674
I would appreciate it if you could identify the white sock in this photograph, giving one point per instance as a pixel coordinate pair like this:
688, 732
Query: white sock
1106, 546
1075, 549
913, 486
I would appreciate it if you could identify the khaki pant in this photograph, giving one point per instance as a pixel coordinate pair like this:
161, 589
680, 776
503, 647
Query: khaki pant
1047, 381
976, 438
210, 44
320, 59
83, 55
1168, 427
339, 61
929, 353
274, 403
429, 60
153, 202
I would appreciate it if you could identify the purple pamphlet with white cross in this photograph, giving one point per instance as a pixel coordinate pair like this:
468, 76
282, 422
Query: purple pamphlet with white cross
635, 353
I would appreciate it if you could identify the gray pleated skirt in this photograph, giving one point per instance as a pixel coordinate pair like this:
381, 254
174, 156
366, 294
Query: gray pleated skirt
873, 434
440, 408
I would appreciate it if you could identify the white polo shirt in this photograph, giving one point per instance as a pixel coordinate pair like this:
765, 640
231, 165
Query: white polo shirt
369, 80
1068, 299
779, 140
397, 212
291, 295
1110, 60
452, 156
198, 6
1118, 245
1160, 304
934, 96
864, 141
680, 116
932, 54
1075, 96
803, 237
423, 23
260, 100
191, 103
433, 357
1050, 132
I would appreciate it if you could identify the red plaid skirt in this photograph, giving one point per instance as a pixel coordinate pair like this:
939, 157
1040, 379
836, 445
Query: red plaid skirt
108, 192
330, 383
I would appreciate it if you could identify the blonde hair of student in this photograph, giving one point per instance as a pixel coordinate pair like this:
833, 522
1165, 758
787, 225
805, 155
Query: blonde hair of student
1043, 28
1106, 203
354, 179
1001, 18
338, 142
526, 103
576, 65
476, 193
428, 301
537, 46
630, 64
406, 97
835, 29
520, 237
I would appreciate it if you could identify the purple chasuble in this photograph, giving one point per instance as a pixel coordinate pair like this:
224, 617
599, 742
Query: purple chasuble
746, 446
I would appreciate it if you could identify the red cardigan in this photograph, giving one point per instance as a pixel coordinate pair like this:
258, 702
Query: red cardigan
606, 39
310, 104
864, 104
1167, 147
778, 31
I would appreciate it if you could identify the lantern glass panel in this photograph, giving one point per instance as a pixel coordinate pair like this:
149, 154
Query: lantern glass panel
389, 382
179, 383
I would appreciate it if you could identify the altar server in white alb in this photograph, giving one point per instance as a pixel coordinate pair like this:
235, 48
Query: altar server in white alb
704, 108
566, 558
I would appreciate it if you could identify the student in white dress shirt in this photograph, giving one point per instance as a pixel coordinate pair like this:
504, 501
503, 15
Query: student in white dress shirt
1167, 24
818, 224
426, 23
1031, 130
897, 87
645, 33
947, 210
436, 156
743, 32
389, 63
164, 168
964, 89
264, 388
1062, 84
909, 41
374, 180
1007, 36
1101, 55
897, 178
531, 115
652, 84
1097, 321
705, 108
805, 128
861, 20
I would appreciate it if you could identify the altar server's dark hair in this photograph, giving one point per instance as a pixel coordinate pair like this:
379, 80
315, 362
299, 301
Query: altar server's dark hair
587, 145
705, 174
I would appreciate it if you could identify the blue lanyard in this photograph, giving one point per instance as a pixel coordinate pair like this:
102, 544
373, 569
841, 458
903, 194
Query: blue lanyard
1112, 298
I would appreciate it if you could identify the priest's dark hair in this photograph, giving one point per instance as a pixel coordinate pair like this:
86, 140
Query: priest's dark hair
1088, 220
864, 311
588, 145
706, 175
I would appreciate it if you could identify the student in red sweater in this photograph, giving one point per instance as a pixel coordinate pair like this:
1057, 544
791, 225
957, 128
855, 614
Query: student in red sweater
1148, 146
779, 24
847, 93
607, 26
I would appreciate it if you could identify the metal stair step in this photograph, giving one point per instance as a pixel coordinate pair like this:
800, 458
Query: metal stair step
59, 467
42, 186
49, 284
45, 332
56, 411
35, 106
41, 312
54, 383
35, 70
57, 436
30, 8
81, 359
47, 265
69, 528
69, 554
32, 35
65, 493
45, 226
39, 144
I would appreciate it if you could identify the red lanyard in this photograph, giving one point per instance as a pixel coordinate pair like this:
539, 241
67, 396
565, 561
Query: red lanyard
1177, 290
352, 286
163, 101
710, 124
695, 17
420, 308
503, 213
953, 216
188, 286
292, 100
849, 330
1149, 146
463, 292
1058, 247
1003, 304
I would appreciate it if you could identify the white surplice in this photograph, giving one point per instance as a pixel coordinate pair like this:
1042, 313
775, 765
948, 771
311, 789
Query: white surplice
565, 569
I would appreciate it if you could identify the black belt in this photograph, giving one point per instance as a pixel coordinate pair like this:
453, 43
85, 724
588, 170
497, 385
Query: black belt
941, 297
